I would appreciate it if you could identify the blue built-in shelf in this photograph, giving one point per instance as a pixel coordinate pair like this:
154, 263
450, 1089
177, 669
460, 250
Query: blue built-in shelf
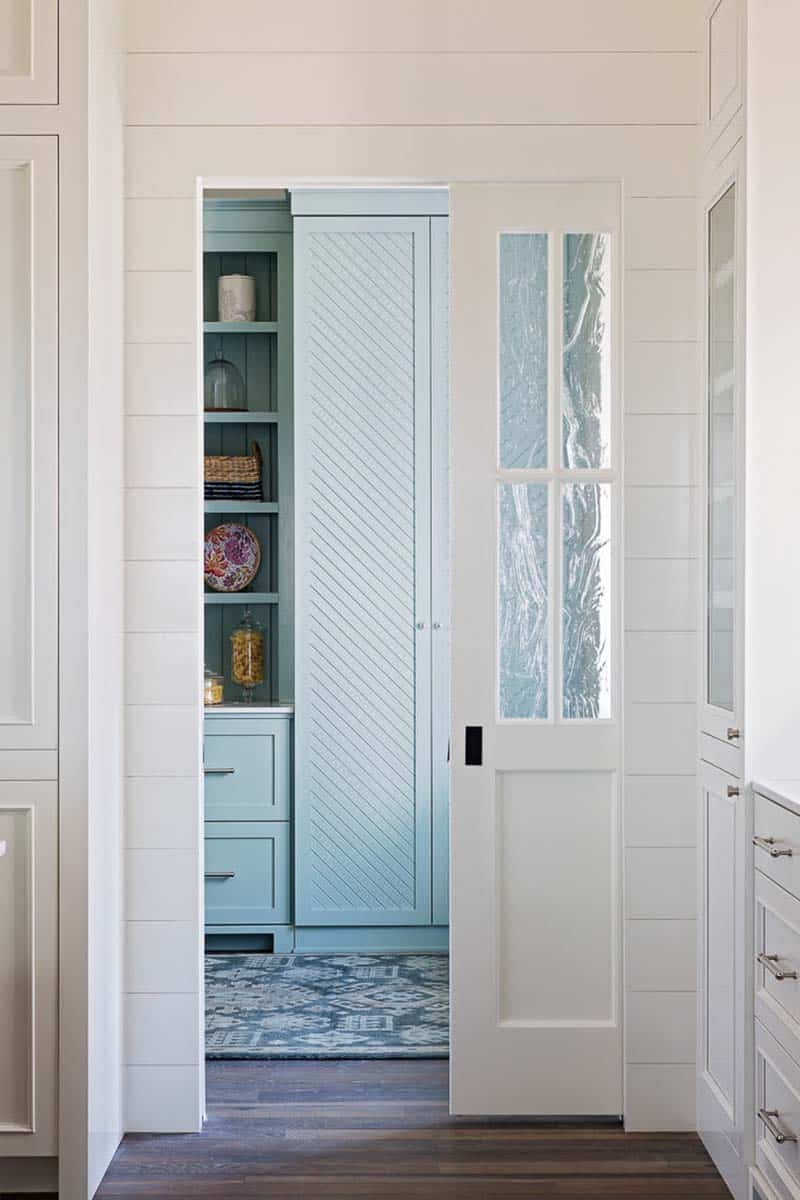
241, 597
240, 326
241, 418
241, 506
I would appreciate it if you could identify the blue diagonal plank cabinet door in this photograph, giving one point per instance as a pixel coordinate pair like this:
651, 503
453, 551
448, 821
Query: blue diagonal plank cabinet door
363, 602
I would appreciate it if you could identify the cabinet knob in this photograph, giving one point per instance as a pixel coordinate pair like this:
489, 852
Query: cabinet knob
732, 734
420, 624
436, 625
732, 790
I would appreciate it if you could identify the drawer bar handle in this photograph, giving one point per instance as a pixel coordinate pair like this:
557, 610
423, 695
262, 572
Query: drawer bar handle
732, 735
768, 1116
219, 770
768, 961
220, 874
774, 849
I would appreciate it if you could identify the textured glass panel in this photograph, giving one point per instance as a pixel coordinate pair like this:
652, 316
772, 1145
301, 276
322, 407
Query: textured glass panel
522, 599
586, 602
721, 452
523, 350
586, 360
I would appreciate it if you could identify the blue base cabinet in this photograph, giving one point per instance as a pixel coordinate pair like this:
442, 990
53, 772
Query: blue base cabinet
248, 803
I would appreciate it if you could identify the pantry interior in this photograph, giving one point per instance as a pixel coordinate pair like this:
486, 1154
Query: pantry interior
326, 622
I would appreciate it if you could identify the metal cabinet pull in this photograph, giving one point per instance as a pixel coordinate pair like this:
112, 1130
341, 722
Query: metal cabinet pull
768, 1116
774, 849
732, 790
219, 770
732, 734
220, 874
768, 962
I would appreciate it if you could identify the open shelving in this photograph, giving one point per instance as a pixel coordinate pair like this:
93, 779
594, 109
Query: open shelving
253, 237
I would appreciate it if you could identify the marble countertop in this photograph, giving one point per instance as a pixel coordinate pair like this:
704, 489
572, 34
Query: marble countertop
782, 791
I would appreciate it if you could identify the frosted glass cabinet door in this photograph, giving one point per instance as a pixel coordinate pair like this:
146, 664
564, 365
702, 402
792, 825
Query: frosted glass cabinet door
28, 435
721, 466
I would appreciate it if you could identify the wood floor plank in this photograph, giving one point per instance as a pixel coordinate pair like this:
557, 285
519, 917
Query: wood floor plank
381, 1130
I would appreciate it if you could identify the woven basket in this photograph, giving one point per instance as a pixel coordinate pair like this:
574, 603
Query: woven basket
234, 468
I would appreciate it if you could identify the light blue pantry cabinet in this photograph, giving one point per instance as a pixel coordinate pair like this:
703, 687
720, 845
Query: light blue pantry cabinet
327, 820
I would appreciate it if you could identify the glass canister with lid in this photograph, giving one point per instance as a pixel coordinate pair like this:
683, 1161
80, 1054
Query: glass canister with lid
247, 655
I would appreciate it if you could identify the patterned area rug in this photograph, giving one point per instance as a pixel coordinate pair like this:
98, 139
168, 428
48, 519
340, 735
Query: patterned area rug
327, 1006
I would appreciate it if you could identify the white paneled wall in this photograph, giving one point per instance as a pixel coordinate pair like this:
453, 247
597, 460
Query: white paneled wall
373, 90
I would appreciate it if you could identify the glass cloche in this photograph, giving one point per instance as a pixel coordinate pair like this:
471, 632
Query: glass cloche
224, 389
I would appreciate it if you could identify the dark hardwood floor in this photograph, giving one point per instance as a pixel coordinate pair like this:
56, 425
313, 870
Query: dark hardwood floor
381, 1131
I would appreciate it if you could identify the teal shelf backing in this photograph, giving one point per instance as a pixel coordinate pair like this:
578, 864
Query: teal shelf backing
241, 506
241, 597
240, 418
240, 326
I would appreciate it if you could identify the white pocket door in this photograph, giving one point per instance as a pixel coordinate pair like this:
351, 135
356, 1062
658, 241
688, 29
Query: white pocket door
535, 885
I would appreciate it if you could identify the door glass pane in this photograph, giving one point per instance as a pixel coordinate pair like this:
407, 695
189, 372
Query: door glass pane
721, 452
522, 600
523, 350
586, 601
586, 359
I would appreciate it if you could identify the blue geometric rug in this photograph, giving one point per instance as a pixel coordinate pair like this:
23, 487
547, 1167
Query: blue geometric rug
327, 1006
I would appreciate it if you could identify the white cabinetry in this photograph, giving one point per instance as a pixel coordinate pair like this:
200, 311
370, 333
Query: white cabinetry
28, 644
724, 1060
29, 52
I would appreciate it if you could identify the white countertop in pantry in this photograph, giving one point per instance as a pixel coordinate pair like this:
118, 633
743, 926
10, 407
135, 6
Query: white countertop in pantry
782, 791
279, 708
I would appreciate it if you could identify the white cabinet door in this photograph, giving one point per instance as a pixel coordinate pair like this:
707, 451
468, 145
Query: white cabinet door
723, 659
29, 437
723, 1078
535, 823
28, 51
28, 969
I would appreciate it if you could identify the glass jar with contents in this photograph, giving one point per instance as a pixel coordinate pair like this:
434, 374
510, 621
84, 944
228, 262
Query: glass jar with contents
213, 685
247, 655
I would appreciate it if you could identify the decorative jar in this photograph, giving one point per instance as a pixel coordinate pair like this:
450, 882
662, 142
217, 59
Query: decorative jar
247, 655
224, 389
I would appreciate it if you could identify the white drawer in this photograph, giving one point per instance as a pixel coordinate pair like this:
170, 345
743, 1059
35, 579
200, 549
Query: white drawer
761, 1190
777, 1115
777, 968
777, 848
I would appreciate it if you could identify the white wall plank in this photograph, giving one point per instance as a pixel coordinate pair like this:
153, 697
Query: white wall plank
161, 813
661, 666
660, 810
160, 379
164, 1097
660, 955
161, 1029
662, 522
660, 1027
160, 884
661, 306
415, 25
660, 882
661, 234
662, 449
661, 738
425, 89
660, 1097
159, 306
161, 956
662, 594
652, 160
661, 377
159, 235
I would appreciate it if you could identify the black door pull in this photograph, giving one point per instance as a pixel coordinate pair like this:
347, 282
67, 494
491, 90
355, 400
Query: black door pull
473, 746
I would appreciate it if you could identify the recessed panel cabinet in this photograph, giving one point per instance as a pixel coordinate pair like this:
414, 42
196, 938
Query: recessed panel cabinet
29, 52
29, 437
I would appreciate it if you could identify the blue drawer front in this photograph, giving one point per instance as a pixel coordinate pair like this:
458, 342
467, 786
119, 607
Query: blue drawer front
247, 769
251, 864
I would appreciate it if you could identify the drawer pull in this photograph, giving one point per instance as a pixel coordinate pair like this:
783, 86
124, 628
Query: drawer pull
732, 790
768, 962
774, 849
732, 734
220, 874
768, 1116
219, 770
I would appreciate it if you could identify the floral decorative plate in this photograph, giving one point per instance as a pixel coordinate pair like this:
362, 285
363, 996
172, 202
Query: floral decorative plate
231, 557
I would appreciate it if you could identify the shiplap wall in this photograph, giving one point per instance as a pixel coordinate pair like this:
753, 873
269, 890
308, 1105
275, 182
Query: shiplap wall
430, 90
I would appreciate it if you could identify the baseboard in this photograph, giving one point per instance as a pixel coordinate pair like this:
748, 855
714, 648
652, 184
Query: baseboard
374, 940
29, 1175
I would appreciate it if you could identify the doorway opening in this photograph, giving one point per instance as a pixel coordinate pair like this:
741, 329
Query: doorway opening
326, 600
